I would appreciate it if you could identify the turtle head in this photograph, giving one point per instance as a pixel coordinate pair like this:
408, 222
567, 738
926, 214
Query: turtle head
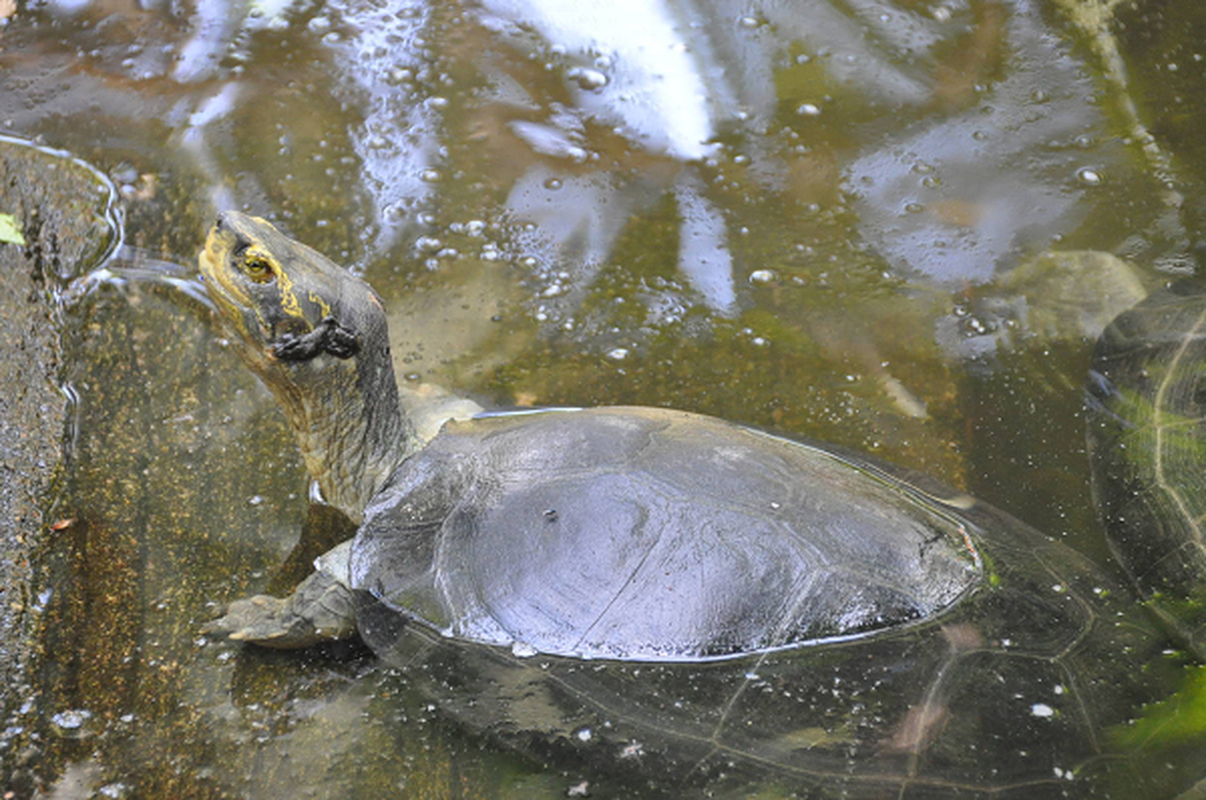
285, 301
317, 336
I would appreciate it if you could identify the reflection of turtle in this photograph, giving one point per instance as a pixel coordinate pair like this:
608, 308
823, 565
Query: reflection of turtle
746, 602
1149, 450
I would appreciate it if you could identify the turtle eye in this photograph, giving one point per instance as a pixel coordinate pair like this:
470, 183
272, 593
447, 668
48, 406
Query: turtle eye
258, 268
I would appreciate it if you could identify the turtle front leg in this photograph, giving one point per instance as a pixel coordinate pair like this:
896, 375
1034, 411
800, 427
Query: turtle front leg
322, 608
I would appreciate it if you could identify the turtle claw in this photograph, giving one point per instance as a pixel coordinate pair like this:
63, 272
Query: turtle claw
257, 620
321, 609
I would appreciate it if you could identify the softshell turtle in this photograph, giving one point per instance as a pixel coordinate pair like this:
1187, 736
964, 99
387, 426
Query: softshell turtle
628, 533
638, 586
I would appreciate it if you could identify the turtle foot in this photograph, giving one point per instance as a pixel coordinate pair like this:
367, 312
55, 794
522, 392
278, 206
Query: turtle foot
320, 610
261, 620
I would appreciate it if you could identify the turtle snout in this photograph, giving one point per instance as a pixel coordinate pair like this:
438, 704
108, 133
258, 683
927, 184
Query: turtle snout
226, 220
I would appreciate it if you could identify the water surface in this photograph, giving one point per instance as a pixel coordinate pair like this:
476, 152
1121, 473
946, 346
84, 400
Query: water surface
803, 215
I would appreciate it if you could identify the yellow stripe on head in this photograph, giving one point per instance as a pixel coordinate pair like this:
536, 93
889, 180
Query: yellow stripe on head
289, 302
323, 305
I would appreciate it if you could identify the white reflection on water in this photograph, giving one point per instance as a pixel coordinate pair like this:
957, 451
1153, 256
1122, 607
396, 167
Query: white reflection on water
950, 182
651, 82
577, 216
674, 73
398, 139
958, 197
703, 254
647, 71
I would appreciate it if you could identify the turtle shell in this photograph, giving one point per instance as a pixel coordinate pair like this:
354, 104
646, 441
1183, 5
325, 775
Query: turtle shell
1147, 397
647, 534
849, 629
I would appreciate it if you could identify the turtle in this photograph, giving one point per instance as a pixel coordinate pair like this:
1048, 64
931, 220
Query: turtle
1147, 397
680, 602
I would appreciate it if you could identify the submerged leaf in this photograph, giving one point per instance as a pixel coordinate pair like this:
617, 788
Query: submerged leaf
1176, 721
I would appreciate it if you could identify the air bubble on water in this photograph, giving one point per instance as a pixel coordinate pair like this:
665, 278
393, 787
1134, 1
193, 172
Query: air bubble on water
588, 79
1089, 177
763, 276
72, 719
1042, 710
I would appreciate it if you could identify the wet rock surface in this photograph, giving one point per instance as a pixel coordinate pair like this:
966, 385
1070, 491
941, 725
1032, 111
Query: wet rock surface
59, 209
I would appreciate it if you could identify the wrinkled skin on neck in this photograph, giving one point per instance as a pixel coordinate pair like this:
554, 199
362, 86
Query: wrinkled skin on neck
316, 335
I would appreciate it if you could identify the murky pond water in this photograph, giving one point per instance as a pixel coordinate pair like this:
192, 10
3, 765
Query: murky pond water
840, 220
